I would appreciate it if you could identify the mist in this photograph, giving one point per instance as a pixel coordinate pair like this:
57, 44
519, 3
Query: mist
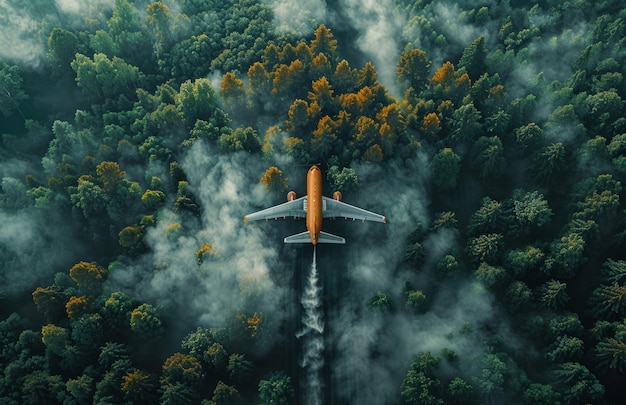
30, 23
237, 278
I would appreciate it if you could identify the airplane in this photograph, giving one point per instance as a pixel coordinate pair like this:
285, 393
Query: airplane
314, 207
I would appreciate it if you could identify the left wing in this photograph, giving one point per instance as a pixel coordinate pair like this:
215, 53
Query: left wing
295, 208
338, 209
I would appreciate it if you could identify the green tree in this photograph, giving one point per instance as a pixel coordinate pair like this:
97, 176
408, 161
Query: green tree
549, 163
473, 58
485, 248
197, 342
102, 77
565, 324
11, 92
465, 123
177, 393
116, 310
488, 158
276, 390
541, 394
530, 212
460, 392
88, 332
416, 301
81, 388
381, 301
488, 218
446, 167
55, 338
159, 20
527, 138
244, 139
518, 296
413, 69
217, 356
344, 180
608, 301
578, 383
491, 276
39, 387
225, 394
419, 385
448, 266
239, 368
62, 47
491, 380
50, 301
112, 352
566, 348
566, 255
153, 198
145, 321
610, 353
553, 294
414, 254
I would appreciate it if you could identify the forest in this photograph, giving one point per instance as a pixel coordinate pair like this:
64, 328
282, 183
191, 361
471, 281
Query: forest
135, 135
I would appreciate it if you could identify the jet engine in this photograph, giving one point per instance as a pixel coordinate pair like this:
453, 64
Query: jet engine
291, 196
337, 195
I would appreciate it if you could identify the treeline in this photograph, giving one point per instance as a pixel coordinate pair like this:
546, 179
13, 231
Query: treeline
526, 173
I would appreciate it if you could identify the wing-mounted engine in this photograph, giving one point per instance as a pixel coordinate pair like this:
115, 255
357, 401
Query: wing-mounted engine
337, 196
291, 196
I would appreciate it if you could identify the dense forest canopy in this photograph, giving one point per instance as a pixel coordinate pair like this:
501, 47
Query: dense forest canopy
136, 135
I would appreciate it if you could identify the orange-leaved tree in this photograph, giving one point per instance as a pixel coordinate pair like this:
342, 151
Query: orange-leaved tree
274, 181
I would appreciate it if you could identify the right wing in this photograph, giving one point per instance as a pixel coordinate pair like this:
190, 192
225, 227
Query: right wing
339, 209
295, 208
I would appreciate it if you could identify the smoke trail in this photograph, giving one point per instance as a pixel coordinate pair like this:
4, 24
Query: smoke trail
313, 333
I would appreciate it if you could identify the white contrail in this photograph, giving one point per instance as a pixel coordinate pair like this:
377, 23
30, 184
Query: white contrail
313, 333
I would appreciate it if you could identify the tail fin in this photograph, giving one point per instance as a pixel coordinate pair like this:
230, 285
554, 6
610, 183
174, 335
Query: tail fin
305, 237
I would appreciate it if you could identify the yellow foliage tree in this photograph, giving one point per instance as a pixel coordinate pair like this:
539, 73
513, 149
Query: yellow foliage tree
322, 93
445, 75
77, 306
320, 66
137, 386
345, 78
273, 180
324, 42
298, 115
110, 175
374, 154
88, 275
55, 338
366, 130
431, 125
206, 251
324, 136
253, 323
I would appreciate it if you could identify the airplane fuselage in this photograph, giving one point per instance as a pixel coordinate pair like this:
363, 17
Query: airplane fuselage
314, 203
314, 207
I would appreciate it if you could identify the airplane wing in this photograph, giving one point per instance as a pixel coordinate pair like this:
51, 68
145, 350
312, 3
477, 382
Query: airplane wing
295, 208
338, 209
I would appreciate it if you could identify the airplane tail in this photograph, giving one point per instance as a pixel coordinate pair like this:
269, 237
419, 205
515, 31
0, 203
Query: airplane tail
305, 237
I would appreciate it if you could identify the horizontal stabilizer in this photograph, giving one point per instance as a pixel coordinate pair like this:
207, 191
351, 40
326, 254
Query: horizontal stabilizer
304, 237
329, 238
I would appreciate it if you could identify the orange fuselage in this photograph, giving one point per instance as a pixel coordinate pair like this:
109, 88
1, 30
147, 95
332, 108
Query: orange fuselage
314, 203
